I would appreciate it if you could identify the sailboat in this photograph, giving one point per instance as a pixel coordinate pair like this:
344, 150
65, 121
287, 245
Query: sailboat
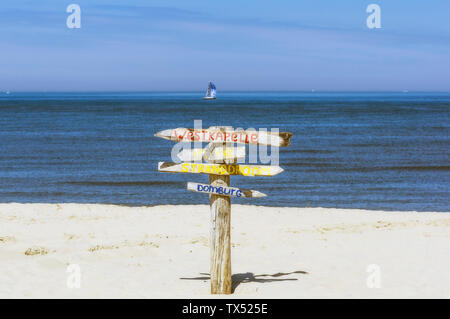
211, 92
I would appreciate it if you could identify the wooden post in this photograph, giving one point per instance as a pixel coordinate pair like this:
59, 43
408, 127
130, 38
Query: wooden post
220, 237
220, 243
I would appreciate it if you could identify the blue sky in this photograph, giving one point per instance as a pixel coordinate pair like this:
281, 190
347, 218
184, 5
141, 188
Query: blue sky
153, 45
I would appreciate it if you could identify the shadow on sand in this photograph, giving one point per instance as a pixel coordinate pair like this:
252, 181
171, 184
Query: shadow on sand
237, 279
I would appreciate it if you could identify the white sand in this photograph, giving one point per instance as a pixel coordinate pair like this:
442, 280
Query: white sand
146, 252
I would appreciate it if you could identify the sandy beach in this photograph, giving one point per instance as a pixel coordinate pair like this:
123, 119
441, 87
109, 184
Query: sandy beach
162, 252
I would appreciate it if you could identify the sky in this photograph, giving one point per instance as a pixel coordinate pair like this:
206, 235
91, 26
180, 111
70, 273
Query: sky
180, 45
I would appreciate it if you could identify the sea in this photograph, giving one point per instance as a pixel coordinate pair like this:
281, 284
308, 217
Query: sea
366, 150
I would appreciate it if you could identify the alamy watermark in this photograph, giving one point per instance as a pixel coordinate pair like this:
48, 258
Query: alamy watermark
374, 19
74, 19
259, 143
374, 278
74, 277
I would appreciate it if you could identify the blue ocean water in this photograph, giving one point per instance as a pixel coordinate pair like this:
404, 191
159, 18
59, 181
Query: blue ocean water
385, 151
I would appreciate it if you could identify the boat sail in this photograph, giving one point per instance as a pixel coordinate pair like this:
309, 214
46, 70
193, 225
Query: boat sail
211, 92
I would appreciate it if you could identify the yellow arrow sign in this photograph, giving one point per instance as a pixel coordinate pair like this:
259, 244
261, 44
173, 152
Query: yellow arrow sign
220, 169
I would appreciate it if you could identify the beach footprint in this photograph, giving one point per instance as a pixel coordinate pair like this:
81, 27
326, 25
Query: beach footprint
7, 239
36, 250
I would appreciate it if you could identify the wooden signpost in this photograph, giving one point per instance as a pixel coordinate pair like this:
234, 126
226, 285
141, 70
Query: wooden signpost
221, 160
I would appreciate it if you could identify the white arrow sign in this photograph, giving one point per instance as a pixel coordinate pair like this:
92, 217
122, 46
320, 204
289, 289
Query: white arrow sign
219, 153
225, 191
212, 135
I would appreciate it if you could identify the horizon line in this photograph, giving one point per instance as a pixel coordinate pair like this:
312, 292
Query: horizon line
225, 91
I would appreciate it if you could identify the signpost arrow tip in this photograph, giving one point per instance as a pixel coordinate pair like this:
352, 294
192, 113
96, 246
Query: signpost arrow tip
164, 134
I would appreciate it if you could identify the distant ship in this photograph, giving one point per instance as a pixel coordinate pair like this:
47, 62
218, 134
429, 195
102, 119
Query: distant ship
211, 92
